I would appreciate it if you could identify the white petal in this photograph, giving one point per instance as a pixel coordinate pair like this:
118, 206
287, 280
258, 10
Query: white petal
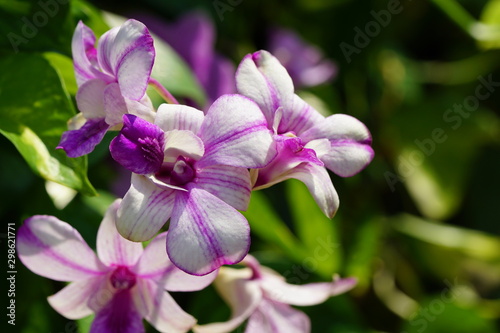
299, 117
182, 142
90, 99
338, 127
144, 209
112, 248
277, 317
180, 117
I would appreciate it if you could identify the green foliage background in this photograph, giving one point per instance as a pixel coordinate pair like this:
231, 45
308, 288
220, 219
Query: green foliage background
419, 227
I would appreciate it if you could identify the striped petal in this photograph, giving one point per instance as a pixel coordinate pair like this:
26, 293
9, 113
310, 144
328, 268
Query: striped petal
230, 184
72, 301
84, 53
262, 78
156, 266
144, 209
299, 117
178, 117
205, 233
160, 309
112, 248
55, 250
235, 133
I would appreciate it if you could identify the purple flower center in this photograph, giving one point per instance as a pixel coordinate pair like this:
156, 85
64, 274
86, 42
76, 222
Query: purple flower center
179, 173
122, 278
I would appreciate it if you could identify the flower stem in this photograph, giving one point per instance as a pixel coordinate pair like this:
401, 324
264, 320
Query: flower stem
162, 91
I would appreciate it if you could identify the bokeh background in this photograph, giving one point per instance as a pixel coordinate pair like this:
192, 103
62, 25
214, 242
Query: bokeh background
419, 227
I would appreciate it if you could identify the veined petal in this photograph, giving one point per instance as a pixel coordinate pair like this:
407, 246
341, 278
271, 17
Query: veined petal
155, 265
144, 209
119, 315
112, 248
82, 141
231, 184
139, 146
55, 250
277, 317
90, 98
262, 78
235, 133
338, 127
276, 289
182, 142
242, 294
72, 301
84, 53
205, 233
179, 117
160, 309
114, 104
299, 117
128, 53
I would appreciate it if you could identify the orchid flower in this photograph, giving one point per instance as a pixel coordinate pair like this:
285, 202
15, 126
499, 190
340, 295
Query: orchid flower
262, 296
192, 36
307, 141
112, 81
192, 168
121, 285
304, 62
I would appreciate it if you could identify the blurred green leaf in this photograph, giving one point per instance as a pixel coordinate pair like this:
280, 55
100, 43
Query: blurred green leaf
34, 111
491, 18
316, 231
170, 70
64, 67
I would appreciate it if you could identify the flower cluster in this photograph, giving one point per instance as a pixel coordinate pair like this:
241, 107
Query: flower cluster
196, 170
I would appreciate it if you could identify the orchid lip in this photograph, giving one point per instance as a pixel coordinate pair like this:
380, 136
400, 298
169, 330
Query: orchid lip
177, 174
122, 278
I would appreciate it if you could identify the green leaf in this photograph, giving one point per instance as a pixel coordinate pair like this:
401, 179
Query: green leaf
34, 112
169, 69
491, 18
316, 231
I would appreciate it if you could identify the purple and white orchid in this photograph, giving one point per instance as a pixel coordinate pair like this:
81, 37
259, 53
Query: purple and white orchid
262, 296
307, 141
112, 81
121, 285
192, 168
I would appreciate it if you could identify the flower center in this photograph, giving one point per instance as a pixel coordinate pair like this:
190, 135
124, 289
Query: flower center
179, 173
123, 278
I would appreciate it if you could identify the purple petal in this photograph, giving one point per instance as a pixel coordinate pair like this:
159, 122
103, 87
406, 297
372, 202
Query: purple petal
205, 233
90, 98
230, 184
179, 117
82, 141
262, 78
235, 133
128, 53
242, 294
55, 250
277, 317
139, 146
112, 248
221, 79
72, 301
119, 315
144, 209
84, 53
299, 117
155, 265
161, 310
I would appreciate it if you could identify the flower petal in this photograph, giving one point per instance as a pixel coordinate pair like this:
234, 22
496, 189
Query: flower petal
119, 315
82, 141
160, 309
182, 142
338, 127
276, 289
299, 117
128, 53
112, 248
90, 98
228, 183
179, 117
205, 233
72, 301
277, 317
84, 53
241, 293
55, 250
235, 133
139, 146
144, 209
262, 78
155, 265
